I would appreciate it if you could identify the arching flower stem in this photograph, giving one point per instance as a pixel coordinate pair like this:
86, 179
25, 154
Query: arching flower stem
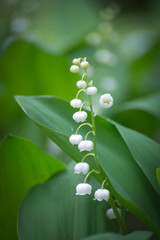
95, 171
87, 155
81, 90
97, 111
83, 105
83, 124
88, 134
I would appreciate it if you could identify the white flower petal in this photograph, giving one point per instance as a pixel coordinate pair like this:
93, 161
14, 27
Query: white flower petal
106, 100
101, 194
110, 213
76, 103
91, 90
74, 69
81, 167
75, 139
85, 145
83, 189
84, 65
81, 84
80, 116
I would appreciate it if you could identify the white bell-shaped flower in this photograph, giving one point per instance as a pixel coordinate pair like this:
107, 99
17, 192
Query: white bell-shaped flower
74, 69
85, 145
101, 194
110, 213
76, 61
81, 84
83, 189
75, 139
80, 116
106, 100
91, 90
76, 103
81, 167
84, 65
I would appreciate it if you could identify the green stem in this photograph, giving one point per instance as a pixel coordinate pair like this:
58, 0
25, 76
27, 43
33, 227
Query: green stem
82, 90
89, 174
103, 183
88, 134
88, 154
83, 105
83, 124
97, 111
118, 216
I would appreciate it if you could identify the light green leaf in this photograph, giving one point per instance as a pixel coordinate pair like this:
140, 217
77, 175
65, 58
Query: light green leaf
22, 166
148, 104
53, 211
138, 235
158, 174
124, 169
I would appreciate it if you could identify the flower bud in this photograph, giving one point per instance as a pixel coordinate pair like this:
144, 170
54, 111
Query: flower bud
85, 145
91, 90
75, 139
110, 213
106, 100
76, 61
76, 103
83, 189
81, 84
74, 69
84, 65
80, 116
81, 167
101, 194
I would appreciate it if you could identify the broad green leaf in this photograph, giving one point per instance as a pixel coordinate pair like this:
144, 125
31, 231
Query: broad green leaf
124, 169
150, 159
138, 235
53, 211
22, 166
158, 174
148, 104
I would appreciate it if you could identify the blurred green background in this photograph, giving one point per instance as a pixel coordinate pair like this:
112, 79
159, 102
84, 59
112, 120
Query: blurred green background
121, 40
39, 39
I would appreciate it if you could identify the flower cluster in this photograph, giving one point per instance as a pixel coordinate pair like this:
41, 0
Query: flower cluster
106, 101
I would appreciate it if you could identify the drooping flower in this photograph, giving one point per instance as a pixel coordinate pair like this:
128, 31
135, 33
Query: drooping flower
81, 167
101, 194
76, 103
84, 65
80, 116
85, 145
83, 189
110, 213
106, 100
81, 84
74, 69
91, 90
76, 61
75, 139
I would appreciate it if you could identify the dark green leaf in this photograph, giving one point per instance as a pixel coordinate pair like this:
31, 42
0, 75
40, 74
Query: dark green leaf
125, 171
158, 174
53, 211
139, 235
22, 165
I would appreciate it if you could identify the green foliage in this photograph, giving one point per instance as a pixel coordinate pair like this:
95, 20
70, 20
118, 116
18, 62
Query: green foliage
23, 165
138, 235
53, 210
127, 165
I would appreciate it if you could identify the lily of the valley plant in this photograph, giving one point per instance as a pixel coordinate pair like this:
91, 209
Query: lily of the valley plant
86, 86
